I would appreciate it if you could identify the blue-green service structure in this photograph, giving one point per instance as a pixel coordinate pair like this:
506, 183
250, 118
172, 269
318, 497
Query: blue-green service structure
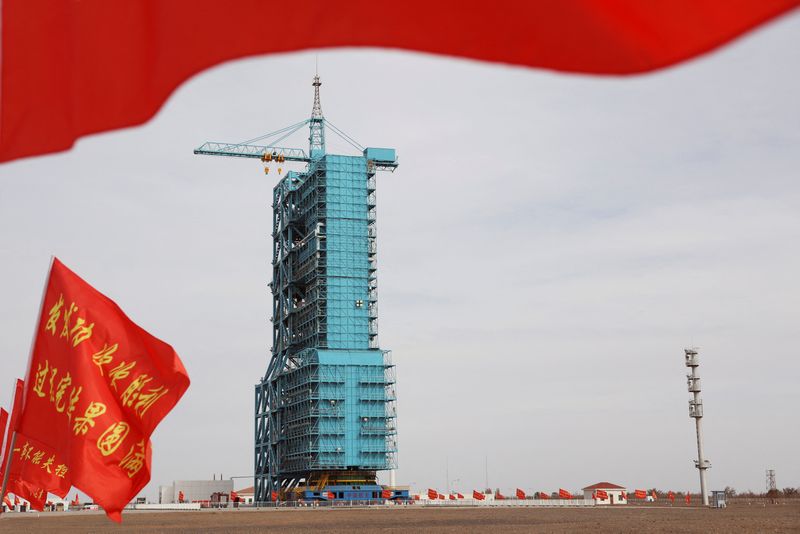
325, 409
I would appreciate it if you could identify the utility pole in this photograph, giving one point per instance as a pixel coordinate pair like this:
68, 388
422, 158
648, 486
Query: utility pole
486, 471
447, 474
696, 412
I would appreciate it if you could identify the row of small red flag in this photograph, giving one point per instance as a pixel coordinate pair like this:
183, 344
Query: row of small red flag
562, 494
97, 387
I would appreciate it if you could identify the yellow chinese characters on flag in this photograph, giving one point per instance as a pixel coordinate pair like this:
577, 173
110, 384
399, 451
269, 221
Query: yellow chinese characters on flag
98, 386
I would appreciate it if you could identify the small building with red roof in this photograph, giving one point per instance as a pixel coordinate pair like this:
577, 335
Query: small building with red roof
606, 493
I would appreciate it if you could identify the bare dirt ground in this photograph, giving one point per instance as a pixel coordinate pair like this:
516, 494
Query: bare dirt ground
742, 518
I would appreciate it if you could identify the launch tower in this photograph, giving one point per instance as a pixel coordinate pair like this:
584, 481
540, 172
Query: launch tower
325, 409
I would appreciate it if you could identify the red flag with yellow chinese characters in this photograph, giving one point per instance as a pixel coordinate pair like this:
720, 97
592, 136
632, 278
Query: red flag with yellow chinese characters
40, 467
98, 385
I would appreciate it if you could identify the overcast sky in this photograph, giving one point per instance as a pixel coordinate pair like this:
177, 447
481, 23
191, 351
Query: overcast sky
548, 246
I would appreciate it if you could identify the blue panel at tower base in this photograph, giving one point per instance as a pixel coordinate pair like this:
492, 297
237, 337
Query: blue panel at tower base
354, 493
380, 154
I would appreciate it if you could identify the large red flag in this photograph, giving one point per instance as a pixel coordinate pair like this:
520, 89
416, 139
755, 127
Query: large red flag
520, 494
433, 494
640, 494
76, 67
98, 387
477, 495
602, 494
564, 494
386, 494
544, 495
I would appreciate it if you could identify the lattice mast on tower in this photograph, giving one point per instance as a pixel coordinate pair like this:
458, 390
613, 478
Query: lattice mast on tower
772, 487
696, 412
325, 414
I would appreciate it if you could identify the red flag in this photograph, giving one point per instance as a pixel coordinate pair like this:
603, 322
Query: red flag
520, 494
441, 497
64, 80
274, 496
544, 495
180, 497
330, 495
671, 496
459, 495
640, 494
499, 496
99, 386
452, 497
32, 467
36, 497
8, 502
234, 496
3, 423
433, 494
564, 494
386, 494
75, 501
602, 495
39, 466
688, 498
13, 423
624, 495
478, 496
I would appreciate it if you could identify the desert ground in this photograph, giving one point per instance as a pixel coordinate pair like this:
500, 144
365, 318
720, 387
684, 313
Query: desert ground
738, 518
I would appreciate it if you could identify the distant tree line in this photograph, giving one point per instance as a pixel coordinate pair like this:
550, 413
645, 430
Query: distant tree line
790, 493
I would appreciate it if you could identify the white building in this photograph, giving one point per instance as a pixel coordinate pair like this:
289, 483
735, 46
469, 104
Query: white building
247, 495
193, 490
615, 494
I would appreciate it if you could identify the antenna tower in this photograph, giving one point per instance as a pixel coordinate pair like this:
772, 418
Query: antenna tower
771, 481
696, 412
